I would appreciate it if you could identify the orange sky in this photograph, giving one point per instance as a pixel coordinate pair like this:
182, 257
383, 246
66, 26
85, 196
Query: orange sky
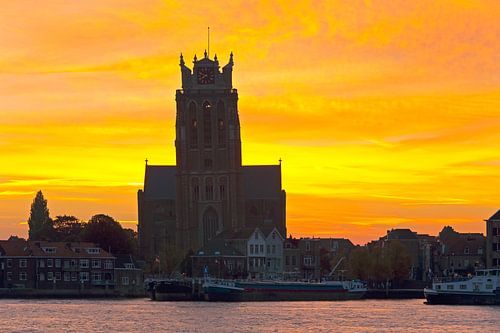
386, 113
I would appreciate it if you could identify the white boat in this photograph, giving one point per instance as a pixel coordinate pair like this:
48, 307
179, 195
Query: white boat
481, 288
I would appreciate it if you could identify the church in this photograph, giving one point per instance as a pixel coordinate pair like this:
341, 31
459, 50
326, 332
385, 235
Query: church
208, 192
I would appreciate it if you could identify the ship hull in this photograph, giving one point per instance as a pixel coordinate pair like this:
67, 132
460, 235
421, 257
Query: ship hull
269, 293
172, 291
434, 297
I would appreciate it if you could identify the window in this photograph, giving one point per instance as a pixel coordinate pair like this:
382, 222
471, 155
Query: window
287, 260
41, 263
9, 276
222, 192
261, 248
84, 263
207, 125
41, 277
84, 276
125, 280
268, 249
96, 276
489, 286
196, 189
208, 163
9, 263
308, 246
495, 231
466, 250
49, 250
251, 248
108, 264
209, 189
449, 286
23, 263
57, 263
93, 250
294, 260
96, 263
73, 263
308, 260
128, 265
58, 276
23, 276
274, 235
463, 286
67, 276
193, 138
50, 263
73, 276
50, 276
66, 263
221, 128
274, 249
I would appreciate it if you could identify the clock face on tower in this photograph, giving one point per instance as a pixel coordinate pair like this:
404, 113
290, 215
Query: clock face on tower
205, 75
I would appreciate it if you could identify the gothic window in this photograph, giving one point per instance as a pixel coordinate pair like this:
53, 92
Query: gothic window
193, 138
207, 124
222, 188
208, 163
196, 189
221, 125
209, 189
210, 224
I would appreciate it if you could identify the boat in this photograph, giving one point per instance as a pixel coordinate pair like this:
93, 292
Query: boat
171, 290
241, 291
483, 288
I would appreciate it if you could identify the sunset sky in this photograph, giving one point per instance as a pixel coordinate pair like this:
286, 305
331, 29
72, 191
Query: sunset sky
386, 113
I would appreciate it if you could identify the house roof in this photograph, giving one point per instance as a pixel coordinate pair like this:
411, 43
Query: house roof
495, 217
22, 248
218, 247
262, 181
159, 182
401, 234
457, 246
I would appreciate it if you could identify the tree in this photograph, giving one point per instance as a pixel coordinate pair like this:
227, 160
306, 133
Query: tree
67, 228
108, 234
39, 222
359, 263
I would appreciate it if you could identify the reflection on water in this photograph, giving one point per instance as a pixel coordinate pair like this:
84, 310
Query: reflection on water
146, 316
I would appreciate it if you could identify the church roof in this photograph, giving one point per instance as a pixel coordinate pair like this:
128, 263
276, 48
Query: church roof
159, 182
262, 181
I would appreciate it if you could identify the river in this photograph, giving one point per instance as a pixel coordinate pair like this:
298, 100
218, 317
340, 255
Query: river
143, 315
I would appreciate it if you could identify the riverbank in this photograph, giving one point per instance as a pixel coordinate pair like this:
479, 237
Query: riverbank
26, 293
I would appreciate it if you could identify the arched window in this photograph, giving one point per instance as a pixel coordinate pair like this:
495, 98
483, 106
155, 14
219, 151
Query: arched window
207, 124
193, 138
210, 224
209, 189
222, 188
221, 124
196, 189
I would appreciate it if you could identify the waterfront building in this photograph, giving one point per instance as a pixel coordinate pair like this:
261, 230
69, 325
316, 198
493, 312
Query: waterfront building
219, 259
493, 241
208, 192
54, 265
460, 253
129, 277
292, 264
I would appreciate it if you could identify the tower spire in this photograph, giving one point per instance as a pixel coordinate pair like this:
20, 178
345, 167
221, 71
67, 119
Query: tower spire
208, 41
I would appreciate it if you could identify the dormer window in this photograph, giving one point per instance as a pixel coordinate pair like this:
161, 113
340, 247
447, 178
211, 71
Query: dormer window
466, 250
49, 250
93, 250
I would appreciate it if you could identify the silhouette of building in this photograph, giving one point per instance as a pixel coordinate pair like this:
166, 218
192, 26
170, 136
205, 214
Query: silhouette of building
493, 241
208, 191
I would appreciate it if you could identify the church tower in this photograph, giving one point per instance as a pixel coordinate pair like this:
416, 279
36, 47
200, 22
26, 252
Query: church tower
209, 193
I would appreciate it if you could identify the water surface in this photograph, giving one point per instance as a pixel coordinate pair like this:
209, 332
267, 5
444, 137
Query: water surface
142, 315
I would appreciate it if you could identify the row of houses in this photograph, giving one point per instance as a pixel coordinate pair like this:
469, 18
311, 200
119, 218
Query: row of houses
265, 253
77, 266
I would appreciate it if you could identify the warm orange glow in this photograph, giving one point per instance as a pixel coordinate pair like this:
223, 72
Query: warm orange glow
386, 113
